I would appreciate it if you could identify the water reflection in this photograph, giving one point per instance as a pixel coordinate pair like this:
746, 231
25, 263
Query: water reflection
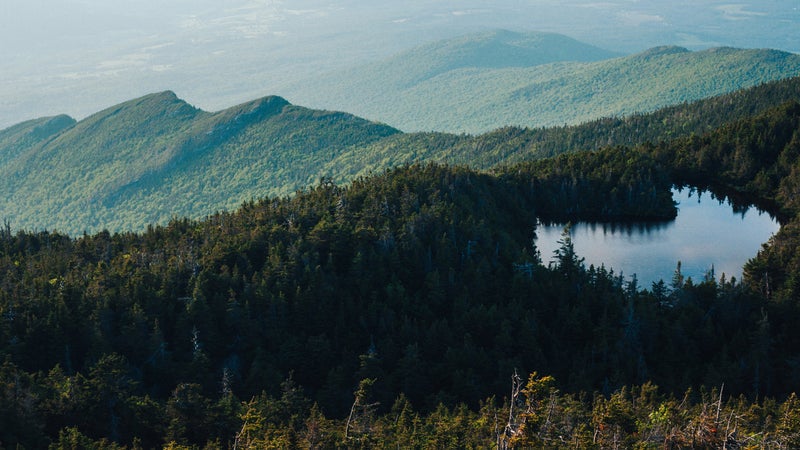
718, 233
740, 204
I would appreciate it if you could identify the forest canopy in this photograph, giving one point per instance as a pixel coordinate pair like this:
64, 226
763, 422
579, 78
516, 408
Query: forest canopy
411, 308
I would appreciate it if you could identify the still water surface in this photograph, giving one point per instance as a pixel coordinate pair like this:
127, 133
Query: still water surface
706, 233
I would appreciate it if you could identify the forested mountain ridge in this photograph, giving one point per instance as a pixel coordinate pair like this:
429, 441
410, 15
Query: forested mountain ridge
112, 147
19, 138
493, 49
157, 157
532, 80
394, 311
510, 145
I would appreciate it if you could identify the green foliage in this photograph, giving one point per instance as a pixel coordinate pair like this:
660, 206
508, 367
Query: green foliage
483, 81
20, 138
156, 158
410, 282
611, 184
511, 145
390, 311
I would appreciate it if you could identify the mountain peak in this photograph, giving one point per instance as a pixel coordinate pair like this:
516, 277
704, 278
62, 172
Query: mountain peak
254, 110
495, 49
270, 101
51, 126
504, 48
140, 111
164, 95
167, 99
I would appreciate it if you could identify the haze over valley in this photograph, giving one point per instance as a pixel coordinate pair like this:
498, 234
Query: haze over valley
76, 57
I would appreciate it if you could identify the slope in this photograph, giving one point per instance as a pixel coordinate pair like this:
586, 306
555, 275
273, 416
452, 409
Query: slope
372, 90
19, 138
70, 174
510, 145
492, 50
416, 286
101, 172
154, 158
275, 156
556, 82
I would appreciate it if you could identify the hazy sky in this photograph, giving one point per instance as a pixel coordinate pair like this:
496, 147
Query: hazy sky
79, 56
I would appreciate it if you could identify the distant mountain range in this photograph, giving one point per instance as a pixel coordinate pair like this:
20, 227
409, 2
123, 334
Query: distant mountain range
157, 157
484, 81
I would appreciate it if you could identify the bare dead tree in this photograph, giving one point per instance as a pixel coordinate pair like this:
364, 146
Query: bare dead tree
512, 426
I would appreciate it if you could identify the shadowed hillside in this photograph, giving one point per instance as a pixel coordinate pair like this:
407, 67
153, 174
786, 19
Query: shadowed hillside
157, 157
154, 158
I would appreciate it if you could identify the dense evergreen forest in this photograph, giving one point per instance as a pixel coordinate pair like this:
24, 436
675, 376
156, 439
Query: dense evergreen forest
411, 309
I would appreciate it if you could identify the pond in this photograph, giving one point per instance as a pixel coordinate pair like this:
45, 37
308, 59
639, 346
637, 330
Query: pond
707, 234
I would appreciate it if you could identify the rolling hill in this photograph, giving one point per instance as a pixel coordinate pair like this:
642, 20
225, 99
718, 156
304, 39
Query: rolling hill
509, 145
17, 139
157, 157
484, 81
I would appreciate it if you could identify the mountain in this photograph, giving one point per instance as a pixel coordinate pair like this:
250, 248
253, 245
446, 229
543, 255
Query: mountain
156, 157
510, 145
250, 47
402, 307
480, 82
17, 139
490, 50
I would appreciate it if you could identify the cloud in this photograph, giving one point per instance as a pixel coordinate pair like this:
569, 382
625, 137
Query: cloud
306, 12
79, 75
157, 46
738, 12
636, 19
192, 23
469, 12
124, 62
598, 5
